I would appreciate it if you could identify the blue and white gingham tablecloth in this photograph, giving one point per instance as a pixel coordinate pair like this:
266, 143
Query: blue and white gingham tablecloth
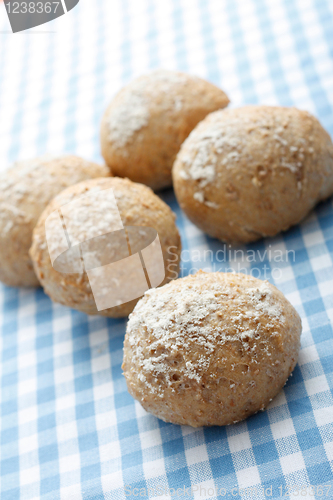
69, 428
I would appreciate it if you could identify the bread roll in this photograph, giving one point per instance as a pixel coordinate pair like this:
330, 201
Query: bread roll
99, 245
146, 123
252, 172
25, 190
210, 349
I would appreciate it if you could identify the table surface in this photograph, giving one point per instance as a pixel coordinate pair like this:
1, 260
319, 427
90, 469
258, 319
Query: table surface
69, 428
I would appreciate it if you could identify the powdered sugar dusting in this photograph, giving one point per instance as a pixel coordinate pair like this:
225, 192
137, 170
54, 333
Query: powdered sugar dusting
128, 117
90, 215
15, 183
217, 142
189, 321
132, 111
203, 147
29, 185
200, 197
25, 185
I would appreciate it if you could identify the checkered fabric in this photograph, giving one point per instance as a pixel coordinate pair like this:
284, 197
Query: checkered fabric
69, 428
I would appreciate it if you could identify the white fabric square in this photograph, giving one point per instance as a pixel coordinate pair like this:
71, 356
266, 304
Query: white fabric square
292, 463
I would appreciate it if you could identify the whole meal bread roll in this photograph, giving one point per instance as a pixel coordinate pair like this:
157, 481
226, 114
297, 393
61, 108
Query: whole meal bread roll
146, 123
99, 245
210, 349
25, 190
254, 171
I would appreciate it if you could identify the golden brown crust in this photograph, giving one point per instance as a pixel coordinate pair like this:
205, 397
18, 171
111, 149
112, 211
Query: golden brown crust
146, 123
25, 190
138, 206
254, 171
210, 349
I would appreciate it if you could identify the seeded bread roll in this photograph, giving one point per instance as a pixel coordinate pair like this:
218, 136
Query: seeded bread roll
252, 172
210, 349
99, 245
146, 123
25, 190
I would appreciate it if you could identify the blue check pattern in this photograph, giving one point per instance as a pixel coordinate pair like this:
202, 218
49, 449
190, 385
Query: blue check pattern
69, 428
